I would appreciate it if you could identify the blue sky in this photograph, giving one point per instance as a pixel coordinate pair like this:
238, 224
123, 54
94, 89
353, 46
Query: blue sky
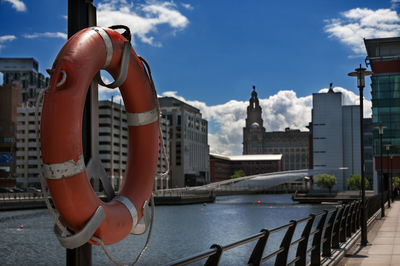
210, 53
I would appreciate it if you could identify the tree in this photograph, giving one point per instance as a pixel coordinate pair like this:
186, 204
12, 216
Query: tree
325, 180
238, 173
354, 182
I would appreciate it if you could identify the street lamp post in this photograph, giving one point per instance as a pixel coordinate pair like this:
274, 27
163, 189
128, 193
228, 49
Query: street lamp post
381, 127
391, 177
387, 146
360, 73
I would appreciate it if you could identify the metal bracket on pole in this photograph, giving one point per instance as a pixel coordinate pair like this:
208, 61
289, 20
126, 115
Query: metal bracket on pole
83, 236
95, 169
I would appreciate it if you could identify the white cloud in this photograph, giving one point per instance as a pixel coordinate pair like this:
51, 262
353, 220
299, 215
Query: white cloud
359, 23
17, 5
108, 94
284, 109
187, 6
6, 38
395, 3
143, 20
61, 35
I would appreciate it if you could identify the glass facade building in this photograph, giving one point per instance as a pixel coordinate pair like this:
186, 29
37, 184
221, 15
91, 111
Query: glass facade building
386, 110
384, 58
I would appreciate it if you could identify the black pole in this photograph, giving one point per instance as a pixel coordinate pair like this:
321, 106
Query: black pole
82, 14
389, 182
382, 202
391, 179
364, 238
360, 73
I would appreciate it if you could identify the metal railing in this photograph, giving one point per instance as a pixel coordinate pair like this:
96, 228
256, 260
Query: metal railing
21, 196
325, 231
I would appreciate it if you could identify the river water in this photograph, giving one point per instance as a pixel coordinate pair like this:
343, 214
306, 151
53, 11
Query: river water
178, 231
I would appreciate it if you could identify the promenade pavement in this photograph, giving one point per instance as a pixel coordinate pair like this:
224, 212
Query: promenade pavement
384, 239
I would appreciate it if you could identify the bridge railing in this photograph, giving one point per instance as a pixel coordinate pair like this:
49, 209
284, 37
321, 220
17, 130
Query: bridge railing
321, 234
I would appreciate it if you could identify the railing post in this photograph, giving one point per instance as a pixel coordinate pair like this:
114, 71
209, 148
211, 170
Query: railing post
316, 243
343, 223
348, 220
281, 258
336, 229
214, 259
356, 209
258, 251
327, 245
302, 246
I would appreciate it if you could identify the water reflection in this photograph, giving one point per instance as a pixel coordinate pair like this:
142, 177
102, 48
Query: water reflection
178, 231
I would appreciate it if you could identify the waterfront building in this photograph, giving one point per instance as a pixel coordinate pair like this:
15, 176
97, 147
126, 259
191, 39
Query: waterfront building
113, 143
222, 167
368, 151
383, 57
24, 71
336, 138
26, 155
189, 159
293, 144
10, 99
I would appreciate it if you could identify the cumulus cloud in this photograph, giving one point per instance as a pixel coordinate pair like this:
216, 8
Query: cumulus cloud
142, 19
284, 109
226, 121
109, 94
17, 5
61, 35
6, 38
359, 23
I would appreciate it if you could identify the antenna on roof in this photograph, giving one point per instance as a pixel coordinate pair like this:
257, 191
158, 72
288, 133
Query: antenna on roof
330, 88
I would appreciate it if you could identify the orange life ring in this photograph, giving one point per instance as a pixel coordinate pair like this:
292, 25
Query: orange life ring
77, 63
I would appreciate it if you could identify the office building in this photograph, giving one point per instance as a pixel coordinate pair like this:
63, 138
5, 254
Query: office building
24, 71
26, 149
368, 151
336, 138
113, 144
383, 57
222, 167
10, 99
189, 159
293, 144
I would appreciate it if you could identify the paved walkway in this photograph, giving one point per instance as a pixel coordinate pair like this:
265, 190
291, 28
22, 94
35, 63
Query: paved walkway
384, 237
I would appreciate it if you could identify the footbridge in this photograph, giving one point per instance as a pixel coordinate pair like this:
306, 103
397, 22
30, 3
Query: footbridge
249, 184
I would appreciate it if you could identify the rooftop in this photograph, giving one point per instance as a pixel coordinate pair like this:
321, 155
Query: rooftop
249, 157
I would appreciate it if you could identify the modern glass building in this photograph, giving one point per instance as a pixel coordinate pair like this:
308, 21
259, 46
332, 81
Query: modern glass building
384, 58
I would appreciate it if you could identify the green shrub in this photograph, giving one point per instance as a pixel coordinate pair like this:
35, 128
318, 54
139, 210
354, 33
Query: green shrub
354, 182
326, 181
238, 173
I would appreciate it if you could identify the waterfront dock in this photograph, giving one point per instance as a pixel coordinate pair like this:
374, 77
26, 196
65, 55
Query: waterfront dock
384, 239
325, 197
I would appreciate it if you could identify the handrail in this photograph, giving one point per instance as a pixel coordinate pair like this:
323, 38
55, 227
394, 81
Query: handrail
343, 222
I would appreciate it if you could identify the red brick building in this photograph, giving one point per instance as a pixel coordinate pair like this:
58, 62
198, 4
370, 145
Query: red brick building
222, 167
